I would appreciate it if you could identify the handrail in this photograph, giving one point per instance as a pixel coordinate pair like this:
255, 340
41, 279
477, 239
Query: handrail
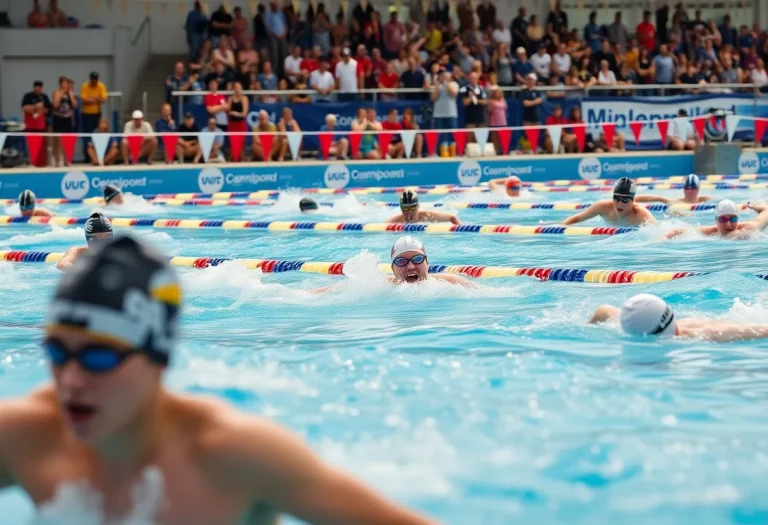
139, 31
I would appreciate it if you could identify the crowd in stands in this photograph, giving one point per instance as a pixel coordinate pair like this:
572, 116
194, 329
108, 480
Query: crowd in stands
52, 17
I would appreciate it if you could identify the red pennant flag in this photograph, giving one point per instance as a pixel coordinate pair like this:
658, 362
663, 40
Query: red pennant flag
325, 140
713, 121
532, 133
68, 141
266, 140
699, 123
505, 134
354, 142
663, 126
760, 124
430, 137
134, 146
236, 145
460, 136
384, 140
581, 135
609, 130
169, 145
34, 144
636, 128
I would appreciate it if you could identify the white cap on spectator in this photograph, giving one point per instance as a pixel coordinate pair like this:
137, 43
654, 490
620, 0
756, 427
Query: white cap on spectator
520, 49
137, 114
531, 75
345, 51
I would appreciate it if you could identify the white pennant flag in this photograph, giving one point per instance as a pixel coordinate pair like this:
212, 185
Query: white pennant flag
100, 143
408, 136
731, 123
2, 141
206, 139
294, 142
481, 136
555, 132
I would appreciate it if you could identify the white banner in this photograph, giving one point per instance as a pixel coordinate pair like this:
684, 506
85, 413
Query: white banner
555, 132
481, 136
206, 139
408, 136
294, 143
100, 143
731, 123
2, 141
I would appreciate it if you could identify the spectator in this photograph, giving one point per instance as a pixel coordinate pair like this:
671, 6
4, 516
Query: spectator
311, 60
681, 135
196, 27
112, 150
522, 68
534, 33
691, 77
300, 96
662, 17
561, 61
727, 32
501, 35
166, 124
586, 77
626, 77
413, 78
240, 29
394, 36
607, 54
202, 63
632, 54
277, 32
268, 82
558, 19
195, 86
644, 69
238, 110
646, 32
663, 66
321, 30
409, 124
532, 101
292, 65
759, 77
502, 63
364, 68
445, 112
56, 17
617, 32
36, 107
216, 105
188, 146
730, 74
322, 81
64, 106
605, 77
542, 63
260, 35
497, 116
92, 95
139, 126
339, 31
36, 18
340, 145
220, 26
555, 119
216, 154
474, 99
246, 56
368, 148
396, 149
286, 124
265, 126
221, 75
592, 33
519, 29
555, 81
223, 54
179, 81
346, 77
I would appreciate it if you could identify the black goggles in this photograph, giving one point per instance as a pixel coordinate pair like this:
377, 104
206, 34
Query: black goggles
623, 198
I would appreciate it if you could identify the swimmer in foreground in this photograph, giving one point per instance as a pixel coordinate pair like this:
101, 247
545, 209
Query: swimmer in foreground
28, 206
113, 195
649, 315
727, 223
690, 193
621, 211
410, 212
108, 426
307, 205
511, 185
98, 231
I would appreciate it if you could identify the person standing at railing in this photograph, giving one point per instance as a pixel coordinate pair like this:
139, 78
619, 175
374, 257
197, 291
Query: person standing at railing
64, 105
36, 18
221, 26
759, 77
414, 78
285, 125
36, 106
92, 95
238, 110
322, 81
179, 81
139, 126
216, 105
445, 111
196, 27
663, 66
346, 77
277, 32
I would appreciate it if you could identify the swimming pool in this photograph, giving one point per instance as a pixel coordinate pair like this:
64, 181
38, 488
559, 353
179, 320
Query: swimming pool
487, 406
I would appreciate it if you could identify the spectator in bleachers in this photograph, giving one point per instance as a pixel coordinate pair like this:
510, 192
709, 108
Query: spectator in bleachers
394, 36
396, 149
593, 33
369, 147
92, 95
56, 17
617, 31
292, 64
239, 29
475, 100
727, 31
445, 109
501, 61
340, 144
542, 64
202, 63
605, 76
322, 81
223, 54
286, 124
64, 106
364, 68
268, 82
246, 56
535, 34
221, 75
179, 81
216, 105
139, 126
321, 29
606, 53
196, 27
36, 106
217, 146
264, 125
298, 97
532, 101
166, 124
346, 77
561, 61
759, 77
646, 32
220, 26
112, 151
277, 33
188, 145
519, 29
388, 80
413, 78
663, 66
339, 31
522, 67
36, 19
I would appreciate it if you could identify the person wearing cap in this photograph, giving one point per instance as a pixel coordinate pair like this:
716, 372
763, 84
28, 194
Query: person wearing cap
727, 223
307, 205
410, 264
690, 193
511, 185
410, 212
619, 211
138, 126
28, 206
346, 77
108, 423
92, 95
98, 232
650, 316
113, 195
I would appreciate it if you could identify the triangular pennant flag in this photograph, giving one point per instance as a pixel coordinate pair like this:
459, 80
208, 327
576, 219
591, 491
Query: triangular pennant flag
731, 123
100, 142
2, 141
169, 145
581, 135
609, 130
354, 142
430, 137
236, 141
481, 137
505, 134
34, 143
760, 124
294, 143
460, 136
663, 126
699, 124
68, 142
134, 146
637, 128
385, 138
408, 136
253, 4
266, 140
555, 133
206, 138
532, 133
325, 140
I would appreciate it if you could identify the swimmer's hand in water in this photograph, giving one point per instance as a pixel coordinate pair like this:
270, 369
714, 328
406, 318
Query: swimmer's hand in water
604, 312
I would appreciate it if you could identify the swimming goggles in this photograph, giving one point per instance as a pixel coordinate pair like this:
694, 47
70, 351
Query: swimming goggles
625, 200
402, 262
96, 359
723, 219
27, 207
513, 188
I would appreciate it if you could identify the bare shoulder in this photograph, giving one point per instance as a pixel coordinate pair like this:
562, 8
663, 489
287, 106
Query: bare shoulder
30, 422
707, 230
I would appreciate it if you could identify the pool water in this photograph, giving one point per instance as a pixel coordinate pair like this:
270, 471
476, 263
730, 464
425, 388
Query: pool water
486, 406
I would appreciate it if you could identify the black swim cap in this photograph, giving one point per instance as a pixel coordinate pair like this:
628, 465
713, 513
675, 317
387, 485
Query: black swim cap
409, 199
307, 204
625, 186
27, 200
125, 292
97, 223
110, 192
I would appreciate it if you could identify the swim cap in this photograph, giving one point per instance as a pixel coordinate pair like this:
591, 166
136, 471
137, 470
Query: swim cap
306, 204
625, 187
27, 200
406, 244
513, 180
646, 314
125, 292
409, 199
97, 223
726, 207
692, 181
110, 192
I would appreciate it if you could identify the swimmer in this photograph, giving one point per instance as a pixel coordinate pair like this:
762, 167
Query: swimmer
28, 206
98, 231
410, 213
649, 315
621, 211
690, 193
108, 422
511, 185
727, 223
113, 195
307, 205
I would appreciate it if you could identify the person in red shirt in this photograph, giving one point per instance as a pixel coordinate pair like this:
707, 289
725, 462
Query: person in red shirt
36, 105
310, 61
216, 104
555, 119
388, 79
396, 147
364, 68
646, 32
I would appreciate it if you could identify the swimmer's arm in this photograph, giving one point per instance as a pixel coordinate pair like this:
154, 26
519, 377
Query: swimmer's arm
653, 198
671, 234
325, 289
604, 313
584, 215
69, 258
442, 216
455, 279
705, 198
395, 219
761, 221
494, 184
43, 212
647, 216
727, 333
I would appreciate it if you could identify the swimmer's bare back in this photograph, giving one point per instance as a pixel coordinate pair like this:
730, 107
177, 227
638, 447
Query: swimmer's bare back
218, 467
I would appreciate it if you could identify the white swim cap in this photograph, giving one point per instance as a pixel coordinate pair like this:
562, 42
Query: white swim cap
726, 207
406, 244
646, 314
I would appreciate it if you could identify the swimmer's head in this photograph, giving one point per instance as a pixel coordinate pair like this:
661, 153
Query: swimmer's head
409, 260
307, 205
513, 186
98, 230
691, 186
109, 334
113, 194
27, 200
646, 314
409, 205
726, 216
623, 194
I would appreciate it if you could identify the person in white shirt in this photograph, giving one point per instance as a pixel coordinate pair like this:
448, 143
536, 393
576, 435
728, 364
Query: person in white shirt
605, 77
346, 76
681, 135
321, 80
542, 63
224, 55
501, 34
292, 65
561, 61
759, 76
139, 126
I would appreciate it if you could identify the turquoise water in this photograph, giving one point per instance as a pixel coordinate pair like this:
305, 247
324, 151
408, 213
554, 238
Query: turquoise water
480, 407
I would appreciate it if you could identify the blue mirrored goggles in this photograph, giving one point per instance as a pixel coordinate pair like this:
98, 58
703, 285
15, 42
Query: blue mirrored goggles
28, 207
402, 262
96, 359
